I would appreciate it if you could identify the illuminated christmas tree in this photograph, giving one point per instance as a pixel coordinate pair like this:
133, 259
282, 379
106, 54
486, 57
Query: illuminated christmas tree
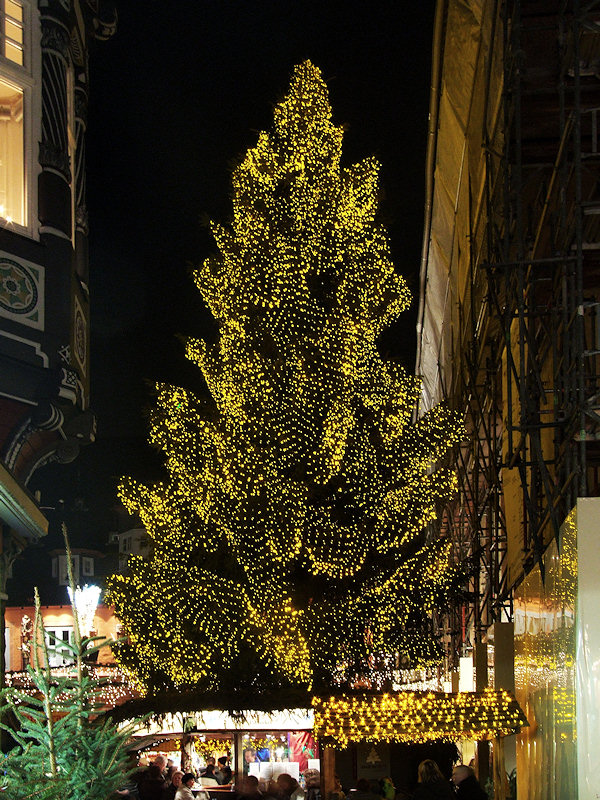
288, 540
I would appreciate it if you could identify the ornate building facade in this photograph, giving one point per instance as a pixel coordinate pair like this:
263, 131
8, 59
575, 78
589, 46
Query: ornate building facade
44, 295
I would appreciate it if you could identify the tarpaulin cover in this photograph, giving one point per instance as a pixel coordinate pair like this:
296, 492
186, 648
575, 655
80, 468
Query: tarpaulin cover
466, 61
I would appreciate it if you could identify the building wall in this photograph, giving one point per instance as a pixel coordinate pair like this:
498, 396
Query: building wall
105, 623
466, 111
510, 280
508, 335
44, 281
133, 542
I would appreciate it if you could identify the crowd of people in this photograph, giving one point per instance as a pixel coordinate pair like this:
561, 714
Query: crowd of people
161, 780
433, 786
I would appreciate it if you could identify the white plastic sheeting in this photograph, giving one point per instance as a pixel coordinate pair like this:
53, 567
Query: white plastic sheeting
544, 625
557, 665
455, 157
588, 647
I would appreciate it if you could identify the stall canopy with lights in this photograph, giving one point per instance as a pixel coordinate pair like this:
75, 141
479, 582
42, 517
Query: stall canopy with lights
416, 717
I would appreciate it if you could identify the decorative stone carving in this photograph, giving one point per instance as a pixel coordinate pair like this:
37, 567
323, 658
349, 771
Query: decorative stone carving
54, 37
81, 104
80, 337
81, 219
53, 156
104, 19
65, 354
18, 290
21, 291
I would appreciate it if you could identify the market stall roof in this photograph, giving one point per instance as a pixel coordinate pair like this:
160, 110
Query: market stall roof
220, 724
237, 704
416, 717
340, 719
18, 509
140, 743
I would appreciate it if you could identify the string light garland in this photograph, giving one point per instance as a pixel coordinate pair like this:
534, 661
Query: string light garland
115, 688
208, 747
290, 526
269, 742
416, 717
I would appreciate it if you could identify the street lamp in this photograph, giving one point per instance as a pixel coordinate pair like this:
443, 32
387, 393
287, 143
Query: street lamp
85, 601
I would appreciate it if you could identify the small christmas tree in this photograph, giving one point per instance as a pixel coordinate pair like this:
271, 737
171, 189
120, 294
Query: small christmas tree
61, 751
287, 543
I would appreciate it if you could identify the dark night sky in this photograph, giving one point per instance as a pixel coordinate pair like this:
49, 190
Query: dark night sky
176, 96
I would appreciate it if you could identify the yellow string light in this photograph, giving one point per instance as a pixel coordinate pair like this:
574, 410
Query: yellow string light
115, 689
291, 523
207, 748
416, 717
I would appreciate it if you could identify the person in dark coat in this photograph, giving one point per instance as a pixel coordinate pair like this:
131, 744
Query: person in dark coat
223, 773
362, 791
248, 788
467, 785
432, 785
152, 784
209, 769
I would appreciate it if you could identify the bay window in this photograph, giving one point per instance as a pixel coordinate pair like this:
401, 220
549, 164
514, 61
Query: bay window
12, 152
16, 105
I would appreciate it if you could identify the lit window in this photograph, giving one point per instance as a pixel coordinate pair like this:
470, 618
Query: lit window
63, 573
17, 89
12, 185
56, 641
13, 39
87, 566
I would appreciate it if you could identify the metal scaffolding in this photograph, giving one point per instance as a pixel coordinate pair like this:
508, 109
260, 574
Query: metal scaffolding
521, 358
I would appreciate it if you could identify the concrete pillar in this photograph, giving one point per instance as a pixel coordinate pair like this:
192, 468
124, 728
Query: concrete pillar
499, 770
504, 656
480, 659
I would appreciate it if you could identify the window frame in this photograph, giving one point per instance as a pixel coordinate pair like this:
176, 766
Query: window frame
63, 571
27, 79
56, 657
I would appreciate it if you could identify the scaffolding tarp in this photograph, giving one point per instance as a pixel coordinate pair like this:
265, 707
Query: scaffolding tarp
456, 151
